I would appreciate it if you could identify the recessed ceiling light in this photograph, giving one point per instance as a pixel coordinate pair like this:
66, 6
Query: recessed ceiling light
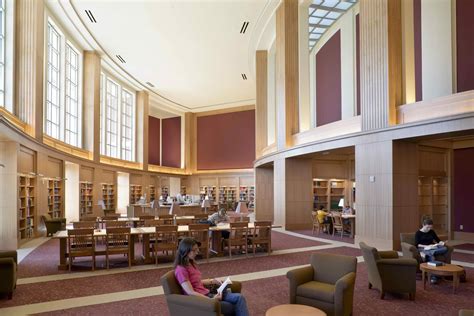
121, 59
244, 76
150, 84
244, 27
90, 16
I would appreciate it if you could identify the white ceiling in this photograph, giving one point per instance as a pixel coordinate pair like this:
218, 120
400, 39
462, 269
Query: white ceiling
191, 51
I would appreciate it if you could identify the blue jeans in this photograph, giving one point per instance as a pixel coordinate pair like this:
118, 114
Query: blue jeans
238, 302
430, 254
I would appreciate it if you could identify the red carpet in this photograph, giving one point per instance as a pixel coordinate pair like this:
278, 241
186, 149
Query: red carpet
465, 247
309, 232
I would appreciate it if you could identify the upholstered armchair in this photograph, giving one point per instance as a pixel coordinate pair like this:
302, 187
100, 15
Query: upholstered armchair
53, 224
8, 272
327, 283
185, 305
388, 273
410, 249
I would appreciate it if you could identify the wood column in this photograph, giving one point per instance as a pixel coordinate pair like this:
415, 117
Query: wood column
261, 119
8, 194
190, 142
264, 194
299, 193
91, 97
142, 128
29, 62
381, 62
287, 72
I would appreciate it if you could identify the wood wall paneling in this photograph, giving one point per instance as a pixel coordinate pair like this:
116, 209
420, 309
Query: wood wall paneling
261, 119
86, 174
264, 204
8, 193
26, 160
91, 97
298, 193
142, 129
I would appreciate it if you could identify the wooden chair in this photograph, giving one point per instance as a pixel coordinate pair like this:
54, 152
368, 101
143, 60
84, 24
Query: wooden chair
184, 221
88, 219
90, 225
262, 235
166, 240
118, 242
169, 219
238, 237
111, 217
337, 224
113, 224
81, 244
317, 224
200, 233
143, 219
154, 222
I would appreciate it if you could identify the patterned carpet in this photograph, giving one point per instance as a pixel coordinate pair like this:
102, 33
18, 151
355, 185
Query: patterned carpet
467, 246
346, 238
261, 291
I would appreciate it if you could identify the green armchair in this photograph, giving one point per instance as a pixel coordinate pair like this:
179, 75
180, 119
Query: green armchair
388, 273
184, 305
8, 272
327, 283
410, 250
53, 224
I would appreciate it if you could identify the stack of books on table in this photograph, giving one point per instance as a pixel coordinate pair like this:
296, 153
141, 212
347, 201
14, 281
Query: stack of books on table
435, 263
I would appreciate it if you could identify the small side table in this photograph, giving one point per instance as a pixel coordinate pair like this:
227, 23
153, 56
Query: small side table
294, 310
444, 270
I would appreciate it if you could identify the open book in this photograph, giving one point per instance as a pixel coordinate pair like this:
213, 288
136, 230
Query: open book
224, 285
434, 246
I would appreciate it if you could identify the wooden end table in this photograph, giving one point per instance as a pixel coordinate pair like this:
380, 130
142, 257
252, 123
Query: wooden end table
444, 270
294, 310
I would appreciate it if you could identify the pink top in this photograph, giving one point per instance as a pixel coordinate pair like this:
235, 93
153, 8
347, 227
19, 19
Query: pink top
193, 275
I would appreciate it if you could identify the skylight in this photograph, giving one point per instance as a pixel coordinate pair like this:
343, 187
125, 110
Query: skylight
322, 14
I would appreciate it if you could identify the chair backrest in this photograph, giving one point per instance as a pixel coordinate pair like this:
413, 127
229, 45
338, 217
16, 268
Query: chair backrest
154, 222
262, 229
92, 225
167, 236
244, 219
336, 219
115, 224
371, 256
118, 237
81, 239
146, 217
239, 230
200, 232
88, 219
170, 284
110, 217
184, 221
314, 217
328, 268
408, 238
168, 219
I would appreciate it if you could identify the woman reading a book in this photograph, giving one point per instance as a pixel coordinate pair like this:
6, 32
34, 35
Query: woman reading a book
428, 242
189, 277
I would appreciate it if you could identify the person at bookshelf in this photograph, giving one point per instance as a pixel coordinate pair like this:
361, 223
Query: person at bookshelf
189, 277
429, 244
323, 218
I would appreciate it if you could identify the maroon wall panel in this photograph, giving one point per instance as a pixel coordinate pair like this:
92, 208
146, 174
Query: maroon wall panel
358, 63
153, 140
465, 44
418, 63
328, 81
171, 147
226, 141
463, 189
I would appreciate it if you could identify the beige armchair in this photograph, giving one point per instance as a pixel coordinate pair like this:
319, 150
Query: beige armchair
53, 224
327, 283
185, 305
8, 272
388, 273
410, 250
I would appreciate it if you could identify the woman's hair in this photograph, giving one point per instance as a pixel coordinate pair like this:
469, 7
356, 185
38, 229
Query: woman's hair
184, 248
427, 221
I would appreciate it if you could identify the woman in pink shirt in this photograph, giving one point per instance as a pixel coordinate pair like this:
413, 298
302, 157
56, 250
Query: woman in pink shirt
189, 277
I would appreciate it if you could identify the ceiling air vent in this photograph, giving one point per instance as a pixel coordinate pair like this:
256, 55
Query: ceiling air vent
244, 27
150, 84
90, 16
121, 59
244, 76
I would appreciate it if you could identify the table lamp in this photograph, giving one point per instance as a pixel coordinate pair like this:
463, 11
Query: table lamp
205, 204
242, 209
341, 202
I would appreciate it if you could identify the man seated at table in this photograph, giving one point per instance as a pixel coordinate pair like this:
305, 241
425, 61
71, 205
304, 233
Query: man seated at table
347, 210
323, 218
219, 217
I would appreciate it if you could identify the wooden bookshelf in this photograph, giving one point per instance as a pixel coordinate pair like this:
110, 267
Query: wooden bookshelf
251, 195
337, 191
165, 192
247, 194
135, 193
209, 191
227, 194
85, 198
108, 196
433, 201
327, 193
26, 207
55, 191
152, 190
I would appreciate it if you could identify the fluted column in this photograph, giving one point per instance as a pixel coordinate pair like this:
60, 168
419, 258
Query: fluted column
381, 62
91, 94
142, 128
29, 60
261, 104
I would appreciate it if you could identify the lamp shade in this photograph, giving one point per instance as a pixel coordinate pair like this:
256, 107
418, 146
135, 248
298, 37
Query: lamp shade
341, 202
242, 208
175, 209
206, 203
